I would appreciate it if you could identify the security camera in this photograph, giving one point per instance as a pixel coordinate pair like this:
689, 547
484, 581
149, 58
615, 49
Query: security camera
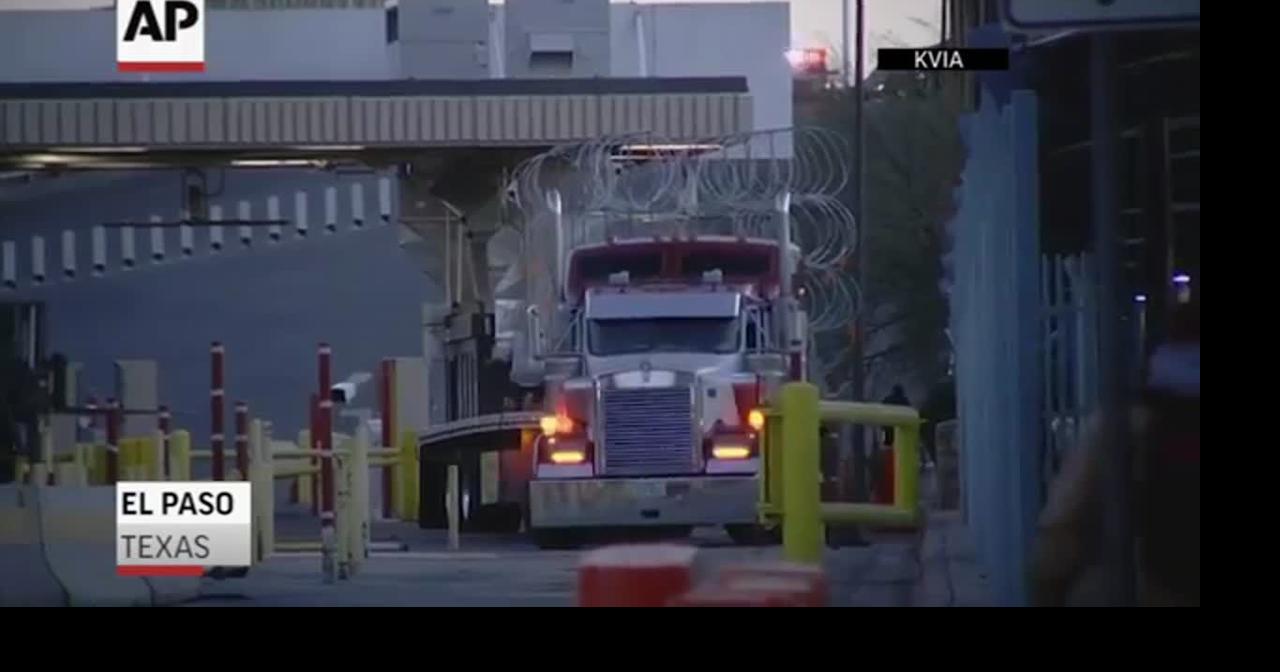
345, 392
342, 393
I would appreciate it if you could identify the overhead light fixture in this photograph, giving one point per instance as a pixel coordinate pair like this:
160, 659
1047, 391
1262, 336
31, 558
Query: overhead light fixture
670, 147
99, 150
273, 163
329, 148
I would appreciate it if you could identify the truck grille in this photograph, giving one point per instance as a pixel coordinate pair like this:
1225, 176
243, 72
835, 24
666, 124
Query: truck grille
648, 431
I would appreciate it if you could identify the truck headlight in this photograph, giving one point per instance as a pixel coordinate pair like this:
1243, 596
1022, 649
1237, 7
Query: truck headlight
730, 452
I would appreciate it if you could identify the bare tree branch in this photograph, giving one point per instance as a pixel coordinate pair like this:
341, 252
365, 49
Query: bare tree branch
885, 352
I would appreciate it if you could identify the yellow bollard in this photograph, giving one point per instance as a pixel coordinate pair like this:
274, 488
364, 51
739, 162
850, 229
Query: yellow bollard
406, 502
801, 497
94, 467
81, 458
126, 460
262, 493
361, 518
140, 465
304, 481
156, 455
906, 468
343, 476
453, 506
46, 448
180, 455
69, 473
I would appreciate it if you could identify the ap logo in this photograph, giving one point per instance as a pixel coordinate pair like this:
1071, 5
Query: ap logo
160, 35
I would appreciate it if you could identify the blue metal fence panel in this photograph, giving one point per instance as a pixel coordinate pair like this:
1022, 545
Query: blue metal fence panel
996, 321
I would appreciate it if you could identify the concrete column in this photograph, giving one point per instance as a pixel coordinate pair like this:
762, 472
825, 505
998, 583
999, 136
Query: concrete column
137, 387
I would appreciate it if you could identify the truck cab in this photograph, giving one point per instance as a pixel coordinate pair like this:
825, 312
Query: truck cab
653, 416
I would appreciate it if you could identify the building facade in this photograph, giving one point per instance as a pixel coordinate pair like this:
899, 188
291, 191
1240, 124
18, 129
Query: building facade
270, 303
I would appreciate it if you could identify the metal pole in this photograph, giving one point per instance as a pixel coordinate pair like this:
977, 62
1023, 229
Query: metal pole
328, 539
113, 442
858, 437
782, 210
216, 355
325, 441
455, 503
386, 402
242, 439
313, 441
1102, 117
844, 43
164, 424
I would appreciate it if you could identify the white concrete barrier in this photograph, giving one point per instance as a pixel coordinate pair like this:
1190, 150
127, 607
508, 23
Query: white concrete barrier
78, 527
25, 578
57, 548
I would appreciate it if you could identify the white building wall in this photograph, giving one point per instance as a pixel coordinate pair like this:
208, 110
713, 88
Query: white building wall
79, 46
680, 40
712, 39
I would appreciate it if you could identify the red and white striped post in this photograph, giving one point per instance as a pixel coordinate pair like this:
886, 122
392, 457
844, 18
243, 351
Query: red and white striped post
386, 404
327, 531
164, 423
242, 439
91, 404
113, 442
313, 410
216, 413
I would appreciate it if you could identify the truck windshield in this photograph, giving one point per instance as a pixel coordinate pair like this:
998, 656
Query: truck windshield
679, 334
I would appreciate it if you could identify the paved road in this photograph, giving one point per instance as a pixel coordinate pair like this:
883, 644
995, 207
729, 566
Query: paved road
509, 571
937, 567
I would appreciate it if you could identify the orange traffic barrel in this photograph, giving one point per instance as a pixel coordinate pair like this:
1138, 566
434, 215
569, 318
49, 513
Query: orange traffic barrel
639, 575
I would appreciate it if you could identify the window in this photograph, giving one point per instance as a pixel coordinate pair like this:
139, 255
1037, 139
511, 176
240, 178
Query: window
551, 53
548, 62
598, 268
738, 265
679, 334
393, 24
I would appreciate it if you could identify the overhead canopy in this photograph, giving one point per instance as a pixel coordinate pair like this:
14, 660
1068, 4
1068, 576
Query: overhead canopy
93, 124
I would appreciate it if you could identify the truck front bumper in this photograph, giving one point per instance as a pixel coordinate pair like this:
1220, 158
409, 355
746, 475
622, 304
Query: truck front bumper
678, 500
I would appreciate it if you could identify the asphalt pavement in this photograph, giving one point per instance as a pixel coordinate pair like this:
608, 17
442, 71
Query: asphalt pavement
934, 567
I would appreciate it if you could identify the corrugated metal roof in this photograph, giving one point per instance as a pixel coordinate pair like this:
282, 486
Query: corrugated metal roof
220, 116
374, 88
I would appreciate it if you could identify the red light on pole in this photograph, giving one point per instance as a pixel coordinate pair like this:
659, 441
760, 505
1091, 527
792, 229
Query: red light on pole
810, 61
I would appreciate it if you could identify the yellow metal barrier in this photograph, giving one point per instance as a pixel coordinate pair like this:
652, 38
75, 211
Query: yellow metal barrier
790, 487
65, 468
406, 478
180, 455
141, 458
271, 460
304, 482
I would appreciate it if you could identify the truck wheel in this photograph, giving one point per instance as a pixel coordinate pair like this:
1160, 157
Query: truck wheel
754, 535
557, 538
